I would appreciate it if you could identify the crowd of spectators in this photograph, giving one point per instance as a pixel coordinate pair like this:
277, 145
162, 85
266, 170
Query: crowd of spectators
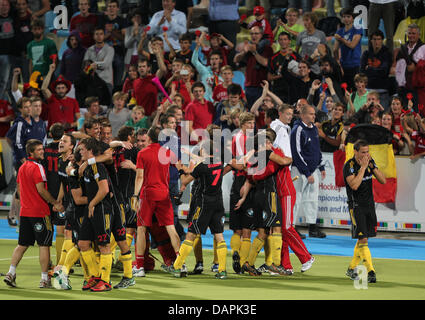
118, 58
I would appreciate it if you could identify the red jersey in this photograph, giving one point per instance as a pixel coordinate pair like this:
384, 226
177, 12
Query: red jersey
202, 114
146, 94
260, 120
61, 110
85, 27
5, 110
255, 73
419, 139
182, 89
32, 204
285, 186
155, 161
220, 93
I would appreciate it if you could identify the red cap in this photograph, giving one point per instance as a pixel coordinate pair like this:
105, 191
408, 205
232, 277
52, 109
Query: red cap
258, 10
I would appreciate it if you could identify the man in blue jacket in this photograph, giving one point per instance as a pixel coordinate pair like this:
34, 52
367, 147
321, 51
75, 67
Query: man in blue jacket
307, 162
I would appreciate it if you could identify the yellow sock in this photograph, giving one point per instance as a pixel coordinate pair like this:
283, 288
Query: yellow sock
66, 246
257, 245
235, 243
70, 260
85, 269
127, 266
268, 251
276, 247
366, 256
97, 255
215, 261
129, 239
221, 255
59, 243
356, 257
197, 248
89, 258
113, 244
184, 251
244, 251
105, 266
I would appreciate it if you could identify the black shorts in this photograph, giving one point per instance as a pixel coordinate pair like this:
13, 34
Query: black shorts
98, 227
33, 229
244, 217
130, 215
208, 215
118, 220
194, 199
74, 219
363, 222
267, 210
58, 218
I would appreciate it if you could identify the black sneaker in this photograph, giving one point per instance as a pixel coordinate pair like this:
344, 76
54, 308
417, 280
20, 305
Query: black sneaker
12, 222
371, 277
236, 262
199, 268
250, 269
317, 234
352, 274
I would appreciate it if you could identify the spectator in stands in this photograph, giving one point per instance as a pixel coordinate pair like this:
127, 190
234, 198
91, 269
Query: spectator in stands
133, 35
38, 8
267, 100
173, 20
7, 46
23, 37
399, 140
138, 119
291, 27
72, 58
328, 101
279, 67
407, 58
154, 43
102, 56
225, 107
376, 63
41, 44
128, 82
220, 91
200, 112
256, 60
183, 85
261, 21
93, 110
356, 99
119, 114
85, 23
308, 40
144, 90
114, 26
416, 131
372, 109
348, 41
208, 75
60, 108
299, 82
330, 130
185, 53
216, 44
224, 19
331, 77
89, 84
385, 10
396, 110
303, 5
6, 116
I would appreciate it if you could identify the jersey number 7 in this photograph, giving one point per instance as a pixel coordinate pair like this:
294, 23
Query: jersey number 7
217, 174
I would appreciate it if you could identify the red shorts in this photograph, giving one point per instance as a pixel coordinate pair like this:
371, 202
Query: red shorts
162, 209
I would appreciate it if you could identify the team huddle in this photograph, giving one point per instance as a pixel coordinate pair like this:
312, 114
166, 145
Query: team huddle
101, 196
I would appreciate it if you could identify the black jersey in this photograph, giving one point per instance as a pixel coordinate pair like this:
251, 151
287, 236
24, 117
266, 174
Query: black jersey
332, 131
126, 177
63, 177
51, 167
76, 182
112, 172
363, 196
92, 174
268, 184
211, 177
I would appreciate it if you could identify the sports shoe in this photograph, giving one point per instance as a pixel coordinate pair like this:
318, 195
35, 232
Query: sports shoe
87, 285
118, 266
10, 280
273, 270
236, 262
221, 275
214, 267
263, 268
352, 274
371, 277
317, 234
63, 280
250, 269
101, 286
199, 268
139, 272
125, 283
12, 222
307, 265
183, 271
285, 272
45, 284
177, 273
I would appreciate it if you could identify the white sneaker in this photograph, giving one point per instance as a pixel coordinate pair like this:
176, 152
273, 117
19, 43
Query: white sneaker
139, 272
307, 265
